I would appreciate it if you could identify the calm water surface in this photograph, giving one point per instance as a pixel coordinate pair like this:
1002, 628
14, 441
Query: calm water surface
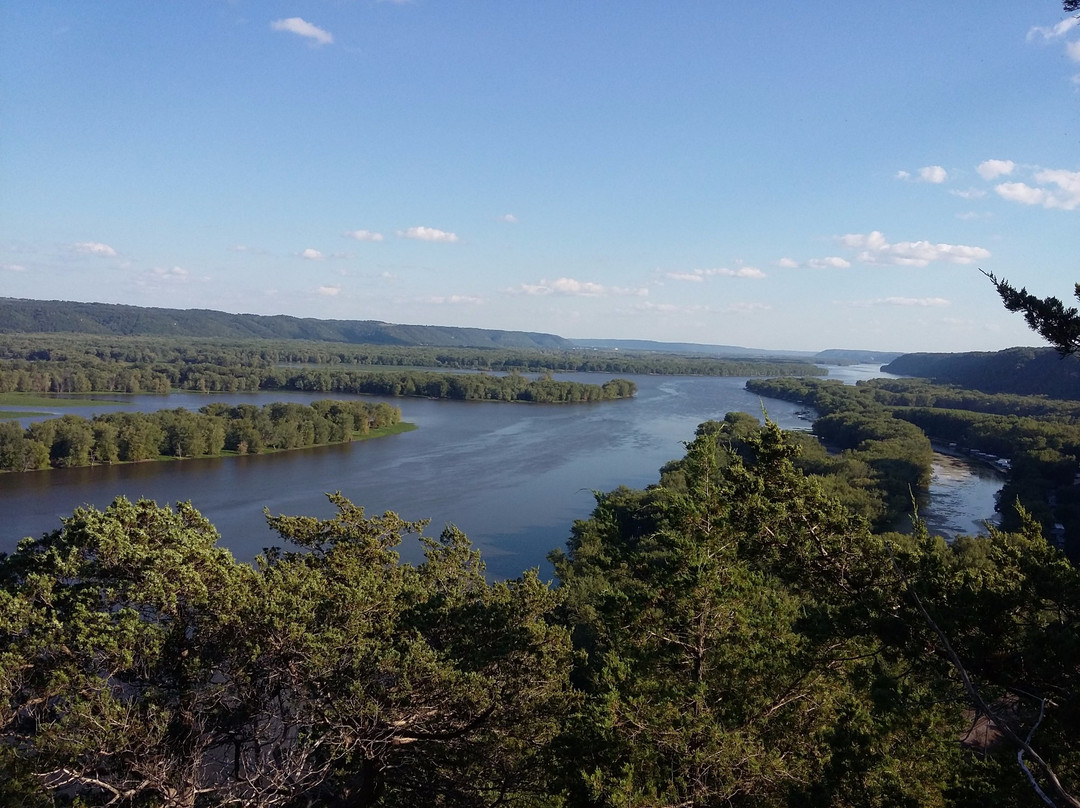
514, 477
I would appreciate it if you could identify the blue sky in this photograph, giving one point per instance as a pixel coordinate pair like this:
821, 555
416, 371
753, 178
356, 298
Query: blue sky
783, 175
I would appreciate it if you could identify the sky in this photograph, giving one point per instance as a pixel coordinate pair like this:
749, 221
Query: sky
783, 175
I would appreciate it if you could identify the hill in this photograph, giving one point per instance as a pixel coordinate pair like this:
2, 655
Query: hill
652, 346
1023, 371
55, 316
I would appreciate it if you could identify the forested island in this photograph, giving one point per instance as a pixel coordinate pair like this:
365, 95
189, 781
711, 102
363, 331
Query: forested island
131, 437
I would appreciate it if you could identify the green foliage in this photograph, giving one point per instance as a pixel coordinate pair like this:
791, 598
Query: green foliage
731, 636
1047, 317
132, 436
1019, 371
140, 664
731, 630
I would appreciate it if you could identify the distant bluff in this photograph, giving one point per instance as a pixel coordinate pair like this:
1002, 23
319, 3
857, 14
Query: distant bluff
56, 316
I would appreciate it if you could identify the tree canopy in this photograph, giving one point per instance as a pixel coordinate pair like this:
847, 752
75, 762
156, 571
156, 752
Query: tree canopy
733, 635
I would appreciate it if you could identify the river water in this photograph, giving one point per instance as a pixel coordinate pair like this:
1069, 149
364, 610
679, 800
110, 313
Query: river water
514, 477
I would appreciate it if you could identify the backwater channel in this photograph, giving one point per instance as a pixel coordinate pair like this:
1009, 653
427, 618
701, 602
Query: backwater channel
514, 477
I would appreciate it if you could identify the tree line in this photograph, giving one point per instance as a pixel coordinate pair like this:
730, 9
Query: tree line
72, 441
730, 636
93, 349
883, 460
112, 377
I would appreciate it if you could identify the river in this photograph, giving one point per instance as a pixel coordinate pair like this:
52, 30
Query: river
514, 477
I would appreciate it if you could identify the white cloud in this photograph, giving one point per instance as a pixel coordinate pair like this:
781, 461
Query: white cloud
746, 308
915, 301
877, 251
301, 27
924, 302
428, 234
1065, 195
1055, 31
788, 263
455, 300
699, 275
970, 216
94, 248
508, 217
569, 287
934, 174
1072, 50
328, 291
312, 254
970, 193
363, 235
166, 275
831, 262
990, 169
13, 267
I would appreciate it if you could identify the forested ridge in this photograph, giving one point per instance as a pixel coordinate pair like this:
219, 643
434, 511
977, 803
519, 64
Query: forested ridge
1020, 371
57, 316
731, 636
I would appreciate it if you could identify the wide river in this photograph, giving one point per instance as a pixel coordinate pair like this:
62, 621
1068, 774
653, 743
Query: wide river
514, 477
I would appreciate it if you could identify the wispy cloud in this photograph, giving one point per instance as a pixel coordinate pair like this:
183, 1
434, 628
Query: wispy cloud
932, 174
508, 217
969, 193
991, 169
328, 291
454, 300
923, 302
574, 288
1054, 188
94, 248
428, 234
363, 235
13, 267
699, 275
875, 250
167, 275
829, 262
311, 254
1053, 31
301, 27
244, 248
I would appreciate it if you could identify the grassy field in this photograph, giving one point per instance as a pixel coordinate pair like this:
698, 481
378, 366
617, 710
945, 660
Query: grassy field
17, 414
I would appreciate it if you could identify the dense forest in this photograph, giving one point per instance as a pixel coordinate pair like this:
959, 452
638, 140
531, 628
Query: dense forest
1038, 436
1021, 371
731, 636
129, 437
92, 355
